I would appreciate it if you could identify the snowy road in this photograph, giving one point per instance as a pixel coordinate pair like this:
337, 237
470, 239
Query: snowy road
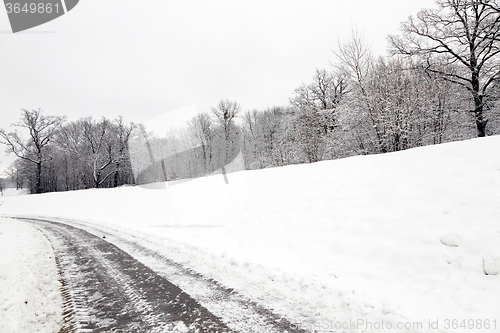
108, 289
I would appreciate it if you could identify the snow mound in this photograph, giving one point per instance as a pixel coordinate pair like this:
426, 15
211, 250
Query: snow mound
491, 265
451, 239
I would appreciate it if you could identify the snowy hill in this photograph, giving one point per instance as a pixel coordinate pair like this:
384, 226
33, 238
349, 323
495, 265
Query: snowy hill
404, 237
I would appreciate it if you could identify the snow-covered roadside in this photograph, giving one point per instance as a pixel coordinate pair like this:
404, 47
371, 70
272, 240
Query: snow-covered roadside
401, 237
30, 294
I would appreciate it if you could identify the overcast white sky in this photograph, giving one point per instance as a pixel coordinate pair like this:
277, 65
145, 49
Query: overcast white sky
140, 59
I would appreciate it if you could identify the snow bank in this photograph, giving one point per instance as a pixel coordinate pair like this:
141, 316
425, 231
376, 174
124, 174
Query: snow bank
9, 192
30, 296
407, 237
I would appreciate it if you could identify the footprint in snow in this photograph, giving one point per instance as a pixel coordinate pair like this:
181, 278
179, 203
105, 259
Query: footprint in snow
451, 239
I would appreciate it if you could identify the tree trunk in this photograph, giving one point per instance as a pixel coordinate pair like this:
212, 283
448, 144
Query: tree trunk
204, 149
116, 175
97, 179
480, 121
38, 177
478, 103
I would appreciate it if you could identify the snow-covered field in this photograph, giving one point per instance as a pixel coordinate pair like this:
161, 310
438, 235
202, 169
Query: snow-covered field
364, 243
9, 192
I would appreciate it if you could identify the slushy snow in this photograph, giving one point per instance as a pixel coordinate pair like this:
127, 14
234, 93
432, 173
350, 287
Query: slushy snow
403, 238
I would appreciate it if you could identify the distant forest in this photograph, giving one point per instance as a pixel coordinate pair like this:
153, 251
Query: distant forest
440, 83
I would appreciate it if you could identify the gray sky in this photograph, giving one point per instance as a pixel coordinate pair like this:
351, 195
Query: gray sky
140, 59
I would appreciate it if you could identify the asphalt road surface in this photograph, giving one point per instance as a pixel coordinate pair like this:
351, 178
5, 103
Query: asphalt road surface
106, 289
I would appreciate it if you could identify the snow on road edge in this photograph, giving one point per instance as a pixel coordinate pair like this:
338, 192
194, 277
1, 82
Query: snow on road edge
30, 291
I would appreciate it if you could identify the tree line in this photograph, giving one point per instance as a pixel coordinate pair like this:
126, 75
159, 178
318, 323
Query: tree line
440, 83
55, 155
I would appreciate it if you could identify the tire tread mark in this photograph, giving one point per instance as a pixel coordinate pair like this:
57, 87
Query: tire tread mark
108, 290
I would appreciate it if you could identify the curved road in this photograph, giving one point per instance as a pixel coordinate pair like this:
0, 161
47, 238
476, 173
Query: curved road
106, 289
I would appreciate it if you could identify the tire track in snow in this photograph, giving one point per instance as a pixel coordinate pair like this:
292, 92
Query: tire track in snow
236, 311
108, 290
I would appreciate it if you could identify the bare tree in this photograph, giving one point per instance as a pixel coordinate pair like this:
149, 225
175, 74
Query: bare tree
41, 131
225, 112
264, 137
309, 136
201, 128
92, 143
15, 173
251, 141
324, 93
464, 35
121, 133
356, 59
